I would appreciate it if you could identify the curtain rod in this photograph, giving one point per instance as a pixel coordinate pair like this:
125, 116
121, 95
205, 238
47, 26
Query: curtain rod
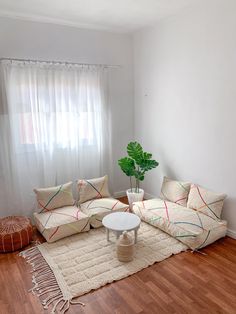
63, 62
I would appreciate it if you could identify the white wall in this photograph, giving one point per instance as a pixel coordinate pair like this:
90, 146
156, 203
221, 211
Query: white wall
23, 39
185, 98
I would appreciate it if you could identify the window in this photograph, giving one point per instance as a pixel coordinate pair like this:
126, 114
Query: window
64, 125
56, 115
51, 128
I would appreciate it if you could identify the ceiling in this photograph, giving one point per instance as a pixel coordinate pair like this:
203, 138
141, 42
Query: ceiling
113, 15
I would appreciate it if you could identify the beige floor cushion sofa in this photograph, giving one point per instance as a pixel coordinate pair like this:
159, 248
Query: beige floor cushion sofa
187, 212
59, 215
61, 222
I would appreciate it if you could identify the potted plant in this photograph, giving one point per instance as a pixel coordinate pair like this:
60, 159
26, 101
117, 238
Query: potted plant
135, 166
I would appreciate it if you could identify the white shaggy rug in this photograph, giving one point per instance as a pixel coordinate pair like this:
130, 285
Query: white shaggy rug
78, 264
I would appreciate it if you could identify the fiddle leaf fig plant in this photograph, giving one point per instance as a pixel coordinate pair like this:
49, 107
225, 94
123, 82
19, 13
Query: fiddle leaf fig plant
136, 164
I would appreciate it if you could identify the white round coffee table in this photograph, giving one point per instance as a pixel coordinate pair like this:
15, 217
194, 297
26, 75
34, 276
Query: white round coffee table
119, 222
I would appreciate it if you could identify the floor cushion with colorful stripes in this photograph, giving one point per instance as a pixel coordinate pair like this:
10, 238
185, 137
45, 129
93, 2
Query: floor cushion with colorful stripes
96, 209
193, 228
61, 222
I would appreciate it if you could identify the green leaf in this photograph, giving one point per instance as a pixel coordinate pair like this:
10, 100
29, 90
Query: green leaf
141, 177
127, 165
138, 162
148, 164
147, 155
135, 151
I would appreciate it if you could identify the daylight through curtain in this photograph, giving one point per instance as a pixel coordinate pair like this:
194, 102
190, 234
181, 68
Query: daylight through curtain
54, 128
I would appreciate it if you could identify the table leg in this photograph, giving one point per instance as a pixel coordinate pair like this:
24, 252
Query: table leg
135, 235
108, 235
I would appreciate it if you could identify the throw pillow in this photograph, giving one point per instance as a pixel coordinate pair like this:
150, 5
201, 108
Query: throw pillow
175, 191
205, 201
54, 197
93, 189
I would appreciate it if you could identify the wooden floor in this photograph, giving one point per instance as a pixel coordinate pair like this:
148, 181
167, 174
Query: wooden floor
184, 283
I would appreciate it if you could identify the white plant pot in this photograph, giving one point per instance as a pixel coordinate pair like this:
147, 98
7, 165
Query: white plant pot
134, 196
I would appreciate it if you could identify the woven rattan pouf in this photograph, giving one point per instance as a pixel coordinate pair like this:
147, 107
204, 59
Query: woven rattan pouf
125, 248
15, 233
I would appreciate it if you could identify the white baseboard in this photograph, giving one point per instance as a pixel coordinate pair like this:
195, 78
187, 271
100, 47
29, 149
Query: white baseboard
231, 234
148, 196
119, 194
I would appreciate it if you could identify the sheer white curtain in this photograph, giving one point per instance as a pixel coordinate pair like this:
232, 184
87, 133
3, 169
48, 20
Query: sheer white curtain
54, 127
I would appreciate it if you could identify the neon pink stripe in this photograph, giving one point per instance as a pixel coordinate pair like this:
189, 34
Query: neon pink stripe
54, 232
99, 195
167, 214
115, 205
43, 206
81, 183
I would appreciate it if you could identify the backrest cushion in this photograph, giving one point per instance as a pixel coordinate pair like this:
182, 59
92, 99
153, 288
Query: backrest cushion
175, 191
54, 197
205, 201
93, 189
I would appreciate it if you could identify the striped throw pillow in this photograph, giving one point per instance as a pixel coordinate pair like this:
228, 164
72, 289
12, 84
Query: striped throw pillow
54, 197
206, 202
175, 191
93, 189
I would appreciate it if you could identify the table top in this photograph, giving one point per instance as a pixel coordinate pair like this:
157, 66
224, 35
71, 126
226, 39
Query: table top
121, 221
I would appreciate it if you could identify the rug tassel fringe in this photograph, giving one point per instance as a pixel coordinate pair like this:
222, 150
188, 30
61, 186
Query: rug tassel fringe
51, 298
55, 299
44, 282
56, 304
65, 303
77, 302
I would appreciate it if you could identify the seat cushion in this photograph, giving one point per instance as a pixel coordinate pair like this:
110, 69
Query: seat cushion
54, 197
99, 208
62, 222
193, 228
93, 189
175, 191
205, 201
